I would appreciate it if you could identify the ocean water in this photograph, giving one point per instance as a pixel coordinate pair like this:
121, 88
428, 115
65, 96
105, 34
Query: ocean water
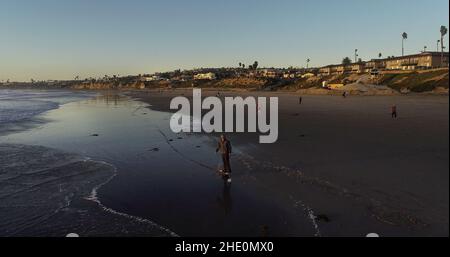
107, 165
17, 105
19, 108
46, 191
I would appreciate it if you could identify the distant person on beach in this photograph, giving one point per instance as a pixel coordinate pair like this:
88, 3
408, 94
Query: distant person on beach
344, 94
300, 99
394, 111
224, 147
218, 94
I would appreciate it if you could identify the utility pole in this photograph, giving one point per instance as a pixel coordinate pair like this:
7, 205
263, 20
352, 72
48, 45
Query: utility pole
437, 45
443, 33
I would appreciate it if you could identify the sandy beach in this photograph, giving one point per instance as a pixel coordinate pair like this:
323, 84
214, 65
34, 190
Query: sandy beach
358, 169
340, 167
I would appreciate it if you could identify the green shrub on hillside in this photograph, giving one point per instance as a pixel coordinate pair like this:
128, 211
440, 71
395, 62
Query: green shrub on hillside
416, 82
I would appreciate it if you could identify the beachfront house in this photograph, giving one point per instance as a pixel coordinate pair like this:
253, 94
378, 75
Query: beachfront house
271, 73
288, 75
307, 75
151, 78
205, 76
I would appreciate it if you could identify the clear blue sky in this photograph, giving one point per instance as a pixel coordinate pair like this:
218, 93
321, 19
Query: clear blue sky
59, 39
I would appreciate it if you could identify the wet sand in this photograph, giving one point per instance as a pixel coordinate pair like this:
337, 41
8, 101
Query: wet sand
341, 167
348, 162
164, 183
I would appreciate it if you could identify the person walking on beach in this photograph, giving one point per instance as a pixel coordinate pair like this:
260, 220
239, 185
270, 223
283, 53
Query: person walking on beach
394, 111
224, 147
300, 99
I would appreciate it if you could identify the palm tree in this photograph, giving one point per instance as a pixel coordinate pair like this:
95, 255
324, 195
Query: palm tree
404, 37
437, 45
380, 55
424, 49
356, 55
255, 65
443, 33
307, 63
240, 64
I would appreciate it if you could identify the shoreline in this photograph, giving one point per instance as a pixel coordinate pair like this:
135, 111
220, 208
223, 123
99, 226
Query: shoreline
299, 92
77, 200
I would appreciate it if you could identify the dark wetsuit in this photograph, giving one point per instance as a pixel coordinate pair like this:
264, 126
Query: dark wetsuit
224, 147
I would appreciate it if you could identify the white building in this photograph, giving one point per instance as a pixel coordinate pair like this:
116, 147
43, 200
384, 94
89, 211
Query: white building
308, 75
205, 76
152, 78
271, 73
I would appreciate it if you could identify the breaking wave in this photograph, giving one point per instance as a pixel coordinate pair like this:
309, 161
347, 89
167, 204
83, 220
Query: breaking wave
20, 106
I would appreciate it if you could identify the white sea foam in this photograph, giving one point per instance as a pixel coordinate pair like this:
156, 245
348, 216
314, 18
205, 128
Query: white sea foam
94, 198
310, 213
40, 187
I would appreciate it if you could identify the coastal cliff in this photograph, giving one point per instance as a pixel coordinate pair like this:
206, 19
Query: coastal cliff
388, 83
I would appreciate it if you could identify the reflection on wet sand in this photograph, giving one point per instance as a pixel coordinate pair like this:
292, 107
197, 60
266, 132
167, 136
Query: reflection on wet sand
225, 202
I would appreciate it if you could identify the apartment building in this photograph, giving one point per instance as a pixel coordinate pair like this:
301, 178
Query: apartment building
375, 64
425, 60
342, 69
